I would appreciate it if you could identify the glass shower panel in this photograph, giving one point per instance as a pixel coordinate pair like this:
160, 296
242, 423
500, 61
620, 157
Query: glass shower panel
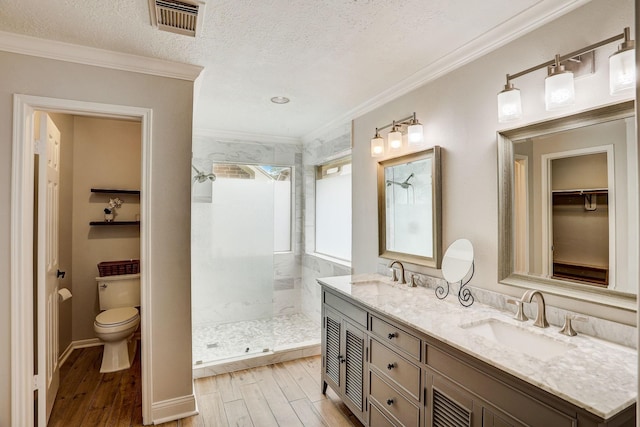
232, 266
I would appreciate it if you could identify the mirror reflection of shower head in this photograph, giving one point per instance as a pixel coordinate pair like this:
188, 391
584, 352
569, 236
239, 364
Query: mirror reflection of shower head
201, 177
404, 184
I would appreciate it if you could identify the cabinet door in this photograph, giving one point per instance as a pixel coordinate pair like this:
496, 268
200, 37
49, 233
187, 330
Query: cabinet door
332, 329
496, 419
354, 367
450, 405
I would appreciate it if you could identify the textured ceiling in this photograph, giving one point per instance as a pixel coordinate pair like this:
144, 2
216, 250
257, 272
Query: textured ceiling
329, 56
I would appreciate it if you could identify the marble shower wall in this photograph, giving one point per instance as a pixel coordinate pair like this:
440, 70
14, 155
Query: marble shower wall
287, 276
333, 145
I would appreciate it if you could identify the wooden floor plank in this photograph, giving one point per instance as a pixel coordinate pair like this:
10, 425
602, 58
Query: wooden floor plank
227, 388
257, 406
310, 387
212, 411
237, 414
307, 413
331, 415
277, 401
313, 366
287, 384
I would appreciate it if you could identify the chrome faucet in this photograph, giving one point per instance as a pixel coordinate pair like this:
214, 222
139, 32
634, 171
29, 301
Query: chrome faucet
541, 318
393, 272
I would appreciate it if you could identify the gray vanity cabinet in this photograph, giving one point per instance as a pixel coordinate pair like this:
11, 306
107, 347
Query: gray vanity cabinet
389, 374
344, 349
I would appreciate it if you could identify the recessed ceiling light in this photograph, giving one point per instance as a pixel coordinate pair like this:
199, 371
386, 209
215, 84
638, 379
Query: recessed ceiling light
280, 99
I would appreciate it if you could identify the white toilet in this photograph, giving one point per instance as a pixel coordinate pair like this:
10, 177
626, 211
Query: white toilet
119, 318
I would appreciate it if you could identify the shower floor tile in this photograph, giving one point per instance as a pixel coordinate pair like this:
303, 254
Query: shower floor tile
215, 342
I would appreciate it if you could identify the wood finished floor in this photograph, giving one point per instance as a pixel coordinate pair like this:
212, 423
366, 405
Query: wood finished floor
285, 394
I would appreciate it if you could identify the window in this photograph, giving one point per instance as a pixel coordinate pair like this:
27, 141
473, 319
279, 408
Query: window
333, 209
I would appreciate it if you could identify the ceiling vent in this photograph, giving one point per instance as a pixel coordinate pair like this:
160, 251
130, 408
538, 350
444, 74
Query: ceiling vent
181, 17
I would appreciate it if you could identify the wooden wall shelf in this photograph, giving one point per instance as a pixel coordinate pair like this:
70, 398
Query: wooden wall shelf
114, 223
114, 191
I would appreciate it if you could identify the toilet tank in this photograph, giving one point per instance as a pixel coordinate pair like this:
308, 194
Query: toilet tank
119, 291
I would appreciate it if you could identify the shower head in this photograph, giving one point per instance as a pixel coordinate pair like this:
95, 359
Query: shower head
201, 177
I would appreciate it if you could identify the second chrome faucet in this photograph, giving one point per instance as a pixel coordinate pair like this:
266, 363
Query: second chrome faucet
527, 297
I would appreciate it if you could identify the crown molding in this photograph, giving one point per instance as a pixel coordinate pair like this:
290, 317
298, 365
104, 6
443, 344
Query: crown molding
51, 49
528, 20
229, 135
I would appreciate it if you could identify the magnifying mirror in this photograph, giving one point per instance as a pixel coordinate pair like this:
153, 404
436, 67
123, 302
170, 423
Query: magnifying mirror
456, 265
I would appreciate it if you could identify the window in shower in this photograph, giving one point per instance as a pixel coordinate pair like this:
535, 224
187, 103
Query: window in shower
333, 209
234, 239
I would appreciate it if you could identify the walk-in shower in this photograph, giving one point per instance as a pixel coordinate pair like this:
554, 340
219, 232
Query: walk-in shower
245, 270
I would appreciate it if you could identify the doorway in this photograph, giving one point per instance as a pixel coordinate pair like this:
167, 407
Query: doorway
26, 353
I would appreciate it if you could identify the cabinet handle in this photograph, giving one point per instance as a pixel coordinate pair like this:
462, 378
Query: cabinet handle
341, 359
389, 402
390, 366
392, 336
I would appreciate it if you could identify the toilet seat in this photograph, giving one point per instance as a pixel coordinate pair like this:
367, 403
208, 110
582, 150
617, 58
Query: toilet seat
117, 317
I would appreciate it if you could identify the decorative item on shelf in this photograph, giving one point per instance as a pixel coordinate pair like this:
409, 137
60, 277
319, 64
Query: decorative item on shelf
559, 88
110, 211
414, 130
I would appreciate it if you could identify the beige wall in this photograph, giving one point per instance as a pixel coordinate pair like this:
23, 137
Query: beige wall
106, 155
171, 101
459, 113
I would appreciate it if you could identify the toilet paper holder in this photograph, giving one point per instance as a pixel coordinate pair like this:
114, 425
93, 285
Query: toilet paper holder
64, 294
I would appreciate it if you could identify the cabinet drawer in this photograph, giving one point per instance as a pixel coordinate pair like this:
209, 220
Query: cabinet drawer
397, 337
393, 402
397, 368
355, 313
377, 418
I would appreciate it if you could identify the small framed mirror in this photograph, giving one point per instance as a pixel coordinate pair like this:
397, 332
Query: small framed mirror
409, 208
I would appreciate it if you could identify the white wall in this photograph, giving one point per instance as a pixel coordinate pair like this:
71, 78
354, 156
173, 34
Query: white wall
459, 113
172, 103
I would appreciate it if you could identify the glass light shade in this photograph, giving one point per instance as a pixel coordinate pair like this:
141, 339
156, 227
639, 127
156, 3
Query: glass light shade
415, 134
509, 105
377, 146
559, 90
395, 140
622, 71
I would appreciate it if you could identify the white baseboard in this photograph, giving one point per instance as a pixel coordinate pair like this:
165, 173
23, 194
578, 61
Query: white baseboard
65, 354
173, 409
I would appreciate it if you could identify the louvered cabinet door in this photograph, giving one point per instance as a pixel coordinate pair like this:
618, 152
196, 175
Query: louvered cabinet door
354, 367
450, 406
333, 348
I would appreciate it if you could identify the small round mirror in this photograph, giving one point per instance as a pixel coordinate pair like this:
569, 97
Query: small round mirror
457, 261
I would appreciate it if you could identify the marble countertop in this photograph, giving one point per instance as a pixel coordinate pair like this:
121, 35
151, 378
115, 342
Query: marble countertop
593, 374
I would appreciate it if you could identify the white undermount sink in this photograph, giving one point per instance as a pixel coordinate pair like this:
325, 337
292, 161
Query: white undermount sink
519, 338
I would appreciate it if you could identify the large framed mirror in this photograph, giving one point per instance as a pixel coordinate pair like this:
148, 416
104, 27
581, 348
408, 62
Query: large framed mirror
568, 206
409, 208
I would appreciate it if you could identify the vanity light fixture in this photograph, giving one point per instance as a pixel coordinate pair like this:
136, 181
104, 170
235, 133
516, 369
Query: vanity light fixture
415, 135
394, 138
559, 87
622, 66
377, 145
559, 90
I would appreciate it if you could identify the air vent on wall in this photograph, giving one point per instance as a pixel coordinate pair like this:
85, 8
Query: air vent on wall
175, 16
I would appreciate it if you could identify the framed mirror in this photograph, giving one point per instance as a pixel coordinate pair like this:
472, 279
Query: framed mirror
568, 206
409, 208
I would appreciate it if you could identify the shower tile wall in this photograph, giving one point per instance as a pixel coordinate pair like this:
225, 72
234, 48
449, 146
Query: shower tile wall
332, 145
287, 266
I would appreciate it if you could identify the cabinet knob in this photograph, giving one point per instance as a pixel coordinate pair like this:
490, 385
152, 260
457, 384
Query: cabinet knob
389, 402
341, 359
390, 366
392, 336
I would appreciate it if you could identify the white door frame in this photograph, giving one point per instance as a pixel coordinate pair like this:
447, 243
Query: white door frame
22, 213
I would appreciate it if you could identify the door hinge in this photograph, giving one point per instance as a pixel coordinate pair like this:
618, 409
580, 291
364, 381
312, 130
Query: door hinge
36, 382
38, 146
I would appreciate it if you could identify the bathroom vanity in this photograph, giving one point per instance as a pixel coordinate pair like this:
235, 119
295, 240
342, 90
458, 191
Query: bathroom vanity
398, 356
